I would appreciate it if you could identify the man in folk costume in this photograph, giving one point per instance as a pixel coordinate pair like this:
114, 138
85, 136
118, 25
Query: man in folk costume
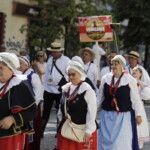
89, 67
134, 59
33, 141
55, 77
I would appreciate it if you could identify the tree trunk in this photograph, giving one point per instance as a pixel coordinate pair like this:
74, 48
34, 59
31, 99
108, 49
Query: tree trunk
146, 54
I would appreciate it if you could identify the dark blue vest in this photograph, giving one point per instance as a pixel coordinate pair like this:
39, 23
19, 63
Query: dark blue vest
123, 99
77, 109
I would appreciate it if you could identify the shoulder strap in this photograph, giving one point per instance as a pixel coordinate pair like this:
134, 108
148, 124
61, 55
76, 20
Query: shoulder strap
57, 68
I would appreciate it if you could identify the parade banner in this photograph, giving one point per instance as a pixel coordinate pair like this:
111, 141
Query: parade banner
95, 28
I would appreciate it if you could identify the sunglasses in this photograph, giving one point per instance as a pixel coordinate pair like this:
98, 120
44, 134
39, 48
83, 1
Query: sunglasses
71, 74
40, 56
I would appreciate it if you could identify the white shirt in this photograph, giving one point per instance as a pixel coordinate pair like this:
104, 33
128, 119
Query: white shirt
92, 72
100, 51
52, 76
126, 79
90, 99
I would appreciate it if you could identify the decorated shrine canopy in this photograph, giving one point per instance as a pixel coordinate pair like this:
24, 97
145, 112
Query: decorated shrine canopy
95, 28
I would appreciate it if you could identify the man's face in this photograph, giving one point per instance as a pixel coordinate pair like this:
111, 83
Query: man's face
86, 56
56, 54
132, 61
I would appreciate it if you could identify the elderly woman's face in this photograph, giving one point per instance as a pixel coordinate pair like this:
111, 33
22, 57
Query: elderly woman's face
40, 56
74, 76
23, 66
116, 67
5, 73
137, 73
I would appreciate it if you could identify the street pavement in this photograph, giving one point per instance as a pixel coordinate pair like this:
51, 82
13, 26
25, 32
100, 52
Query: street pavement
49, 140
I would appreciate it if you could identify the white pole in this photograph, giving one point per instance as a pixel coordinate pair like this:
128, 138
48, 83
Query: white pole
116, 41
98, 58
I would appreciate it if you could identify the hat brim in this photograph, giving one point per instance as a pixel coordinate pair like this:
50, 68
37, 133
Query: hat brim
56, 50
128, 55
84, 49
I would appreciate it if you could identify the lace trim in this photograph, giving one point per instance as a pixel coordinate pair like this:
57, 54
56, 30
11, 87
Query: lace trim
125, 80
84, 86
15, 81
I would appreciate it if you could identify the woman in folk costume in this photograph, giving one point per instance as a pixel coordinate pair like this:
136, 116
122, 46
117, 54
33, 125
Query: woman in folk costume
80, 103
17, 104
144, 91
39, 65
120, 109
36, 86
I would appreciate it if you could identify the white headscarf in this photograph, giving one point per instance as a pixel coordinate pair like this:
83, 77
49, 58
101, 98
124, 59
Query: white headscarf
77, 67
25, 60
121, 60
11, 60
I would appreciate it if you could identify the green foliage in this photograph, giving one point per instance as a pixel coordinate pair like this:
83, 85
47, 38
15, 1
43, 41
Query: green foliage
49, 26
138, 12
46, 29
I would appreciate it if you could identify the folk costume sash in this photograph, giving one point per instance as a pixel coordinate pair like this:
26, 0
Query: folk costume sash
74, 93
112, 90
70, 130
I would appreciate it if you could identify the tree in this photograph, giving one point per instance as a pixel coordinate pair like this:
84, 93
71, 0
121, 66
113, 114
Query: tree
62, 21
69, 14
138, 30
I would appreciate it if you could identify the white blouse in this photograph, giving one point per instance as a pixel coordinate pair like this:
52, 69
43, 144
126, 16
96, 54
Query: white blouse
126, 79
90, 98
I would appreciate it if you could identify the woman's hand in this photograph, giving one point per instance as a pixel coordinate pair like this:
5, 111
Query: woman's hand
6, 123
138, 120
87, 137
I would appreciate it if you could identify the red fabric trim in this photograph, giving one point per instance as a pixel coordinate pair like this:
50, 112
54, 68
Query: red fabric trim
12, 143
66, 144
112, 90
16, 110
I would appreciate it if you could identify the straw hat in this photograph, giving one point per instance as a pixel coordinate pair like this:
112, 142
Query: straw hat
55, 47
134, 54
88, 49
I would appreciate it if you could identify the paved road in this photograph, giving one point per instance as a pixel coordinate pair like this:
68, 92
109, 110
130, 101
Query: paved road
49, 140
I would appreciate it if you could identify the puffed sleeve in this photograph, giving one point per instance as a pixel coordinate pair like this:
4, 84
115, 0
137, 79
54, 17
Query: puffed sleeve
135, 97
22, 104
37, 88
90, 98
101, 93
145, 93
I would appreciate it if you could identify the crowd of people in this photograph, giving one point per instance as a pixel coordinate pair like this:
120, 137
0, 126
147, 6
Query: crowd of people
28, 91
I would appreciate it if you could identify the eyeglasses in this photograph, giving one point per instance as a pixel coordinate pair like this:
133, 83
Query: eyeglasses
71, 74
40, 56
